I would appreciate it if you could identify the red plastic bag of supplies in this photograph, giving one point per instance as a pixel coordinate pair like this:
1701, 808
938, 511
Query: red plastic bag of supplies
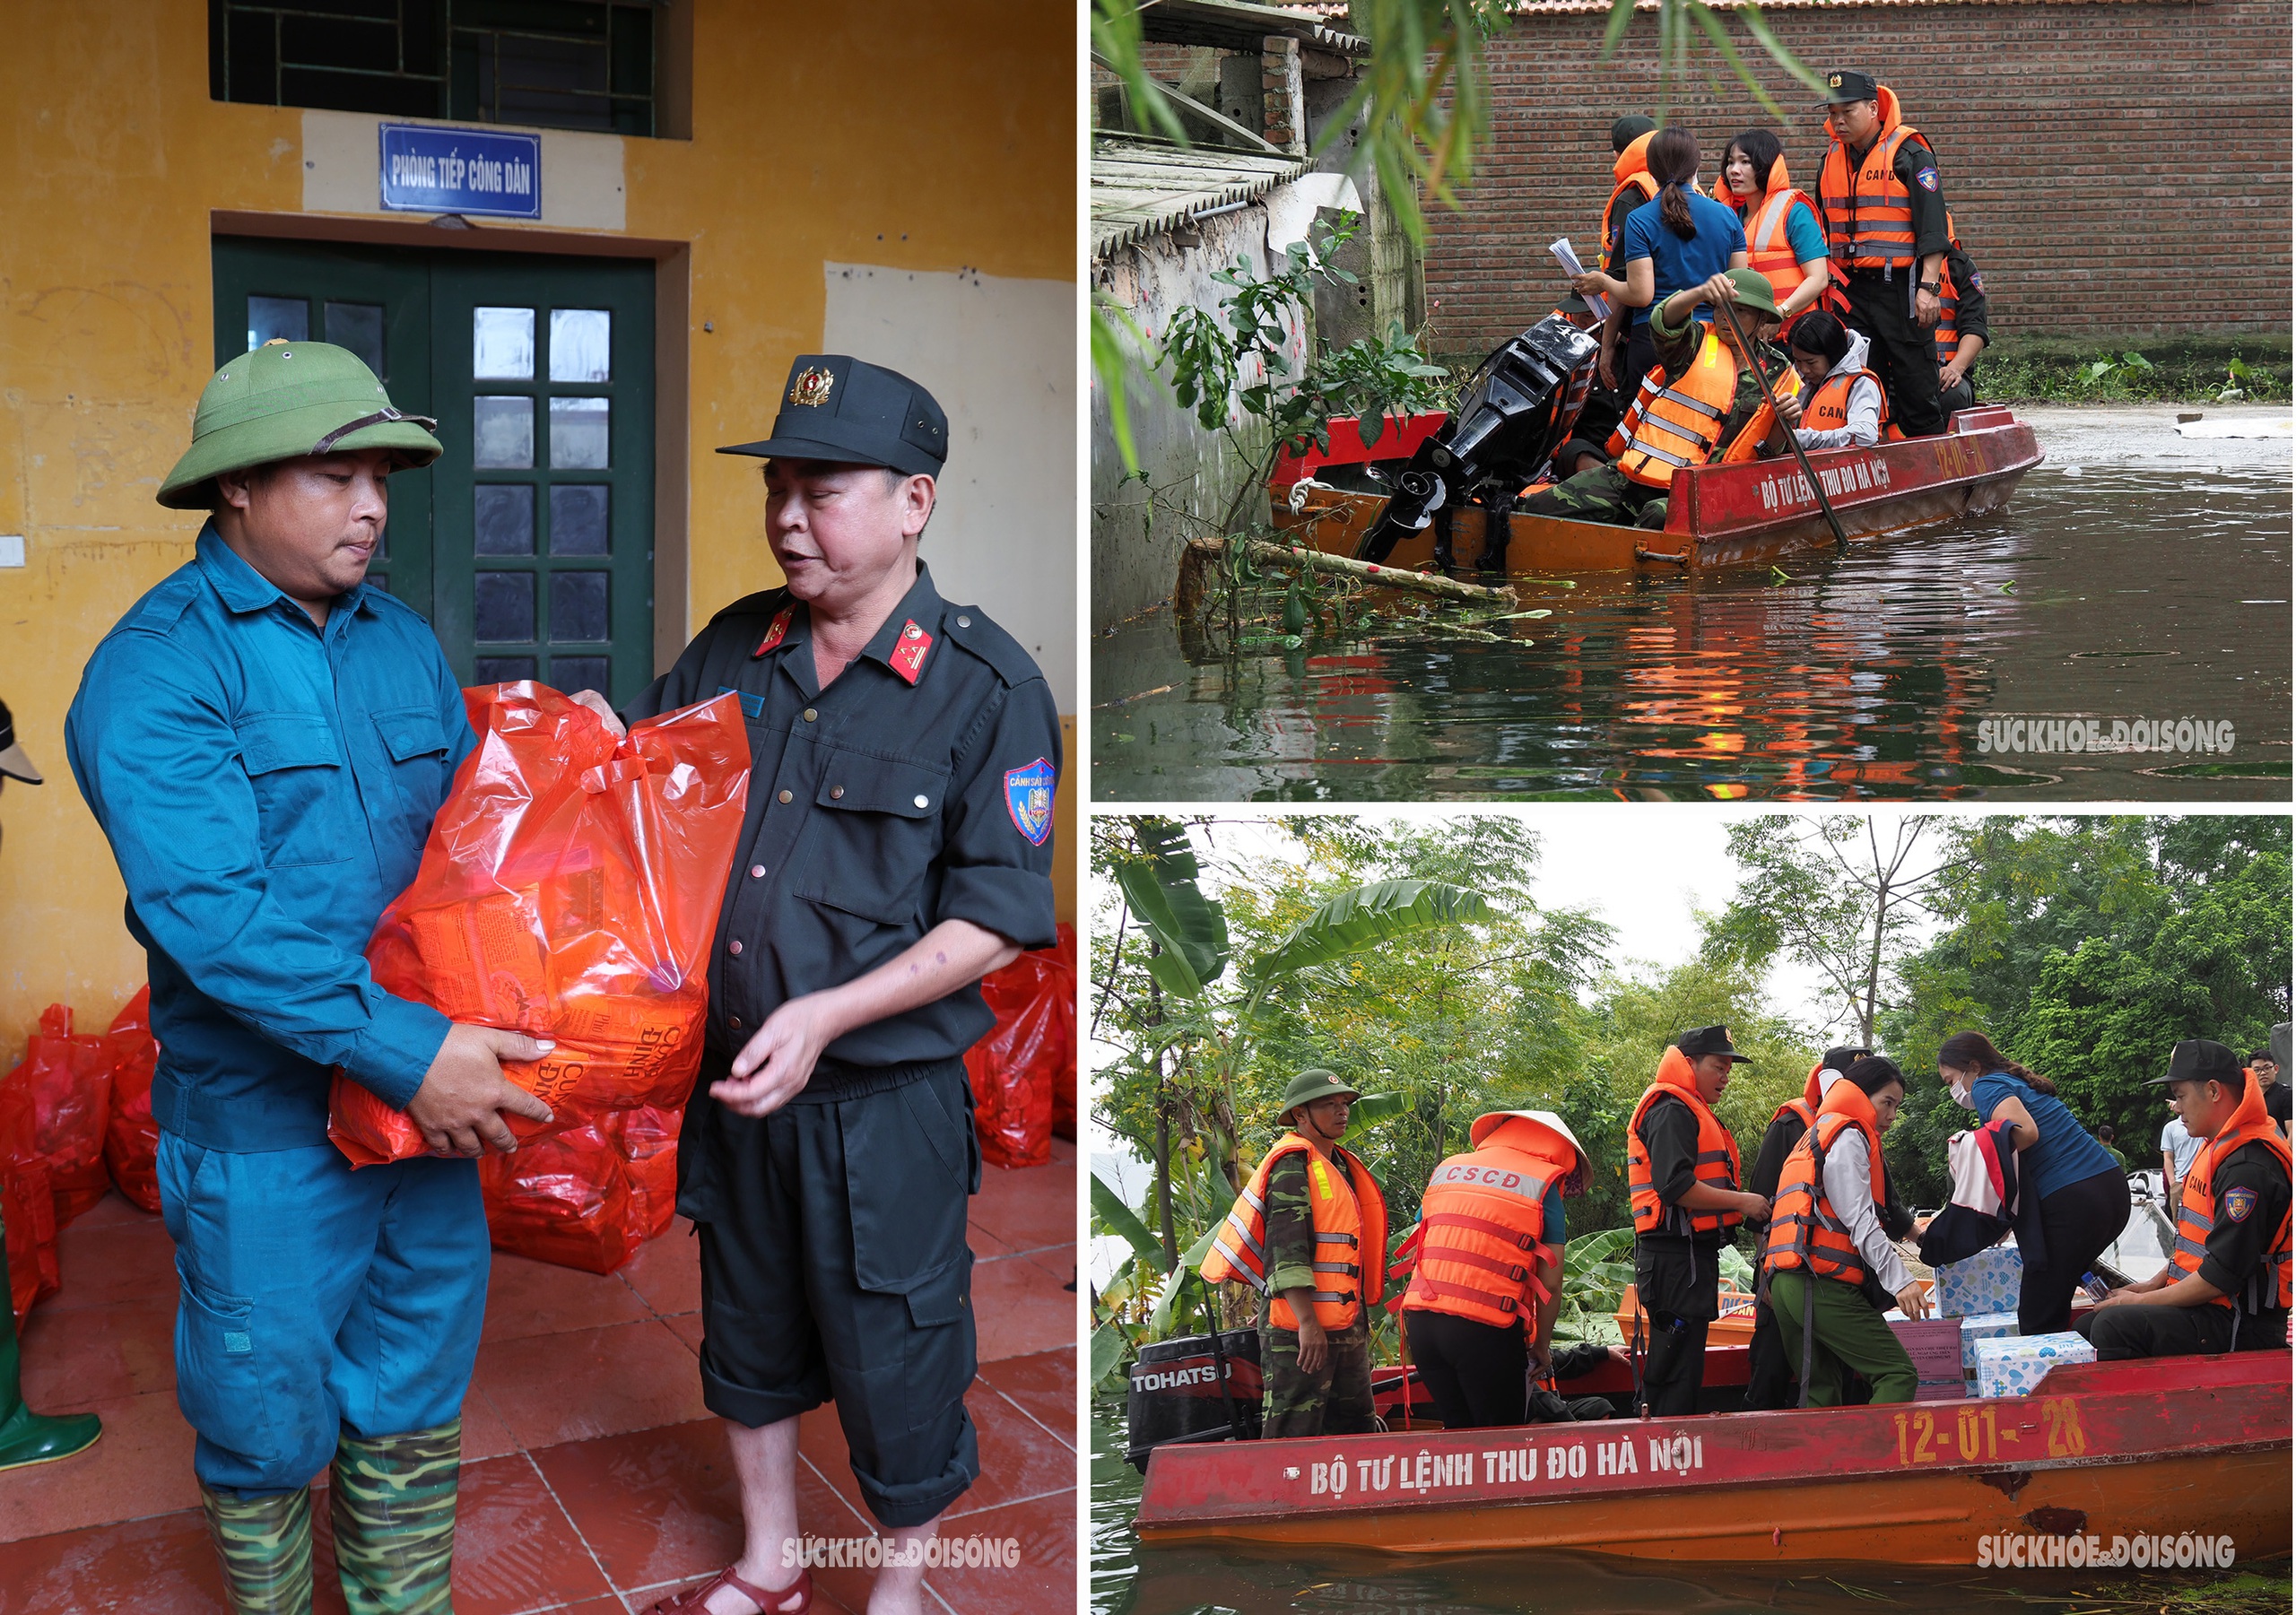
1064, 1086
28, 1207
131, 1138
564, 1198
65, 1083
569, 890
648, 1140
1017, 1067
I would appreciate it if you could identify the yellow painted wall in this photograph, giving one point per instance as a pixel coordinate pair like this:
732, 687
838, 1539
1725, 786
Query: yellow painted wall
928, 136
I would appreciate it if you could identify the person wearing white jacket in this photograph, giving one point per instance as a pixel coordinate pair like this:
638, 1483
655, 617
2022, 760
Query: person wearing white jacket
1842, 405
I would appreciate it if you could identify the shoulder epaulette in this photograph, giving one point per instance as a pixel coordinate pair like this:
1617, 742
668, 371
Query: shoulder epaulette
969, 627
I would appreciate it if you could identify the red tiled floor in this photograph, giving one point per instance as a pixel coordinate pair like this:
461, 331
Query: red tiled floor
1045, 1579
75, 1357
986, 1245
124, 1261
590, 1382
484, 1434
1029, 1208
1044, 1385
160, 1565
140, 1467
526, 1297
687, 1327
1019, 1308
514, 1546
1018, 1459
666, 1270
113, 1211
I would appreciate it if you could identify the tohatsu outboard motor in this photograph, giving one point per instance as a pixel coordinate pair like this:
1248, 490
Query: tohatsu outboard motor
1195, 1387
1517, 410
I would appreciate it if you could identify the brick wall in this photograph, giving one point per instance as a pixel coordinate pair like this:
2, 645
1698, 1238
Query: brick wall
2111, 167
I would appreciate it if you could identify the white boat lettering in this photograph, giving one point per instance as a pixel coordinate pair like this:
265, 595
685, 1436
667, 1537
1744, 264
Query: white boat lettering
1508, 1465
1681, 1453
1375, 1474
1616, 1460
1565, 1462
1327, 1477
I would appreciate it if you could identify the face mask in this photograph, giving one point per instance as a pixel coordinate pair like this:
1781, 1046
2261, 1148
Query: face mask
1962, 1097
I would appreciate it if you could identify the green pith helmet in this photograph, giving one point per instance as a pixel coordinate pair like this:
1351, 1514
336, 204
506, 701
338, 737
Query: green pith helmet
1311, 1084
1755, 295
285, 399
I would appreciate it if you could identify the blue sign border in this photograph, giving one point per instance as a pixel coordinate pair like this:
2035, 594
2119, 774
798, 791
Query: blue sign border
441, 200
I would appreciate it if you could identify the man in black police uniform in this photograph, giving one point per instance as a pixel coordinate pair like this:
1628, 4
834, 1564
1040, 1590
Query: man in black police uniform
1896, 304
2228, 1291
897, 848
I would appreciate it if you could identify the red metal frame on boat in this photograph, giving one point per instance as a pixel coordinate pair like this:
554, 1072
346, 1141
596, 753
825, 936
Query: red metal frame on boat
1348, 447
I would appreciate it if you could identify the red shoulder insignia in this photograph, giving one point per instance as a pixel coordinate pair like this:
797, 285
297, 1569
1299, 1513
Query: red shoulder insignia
909, 656
773, 634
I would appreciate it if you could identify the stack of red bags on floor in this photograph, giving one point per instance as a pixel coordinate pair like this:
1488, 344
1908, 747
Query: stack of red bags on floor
131, 1137
587, 1198
1024, 1071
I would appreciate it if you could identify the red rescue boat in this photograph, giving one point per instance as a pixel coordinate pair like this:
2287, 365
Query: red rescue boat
1717, 516
2192, 1447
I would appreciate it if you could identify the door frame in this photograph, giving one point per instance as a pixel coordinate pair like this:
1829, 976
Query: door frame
673, 268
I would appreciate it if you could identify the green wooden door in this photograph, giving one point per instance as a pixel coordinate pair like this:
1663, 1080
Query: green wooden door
529, 546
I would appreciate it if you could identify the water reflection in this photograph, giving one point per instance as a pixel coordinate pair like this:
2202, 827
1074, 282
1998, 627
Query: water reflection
2122, 583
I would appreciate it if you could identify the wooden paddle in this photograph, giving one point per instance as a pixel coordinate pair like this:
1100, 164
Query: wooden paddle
1745, 348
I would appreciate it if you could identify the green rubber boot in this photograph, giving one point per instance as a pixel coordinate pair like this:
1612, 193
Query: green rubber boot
25, 1436
394, 1510
265, 1542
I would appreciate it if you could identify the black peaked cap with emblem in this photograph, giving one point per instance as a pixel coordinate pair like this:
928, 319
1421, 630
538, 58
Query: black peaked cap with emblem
1711, 1040
1850, 85
837, 407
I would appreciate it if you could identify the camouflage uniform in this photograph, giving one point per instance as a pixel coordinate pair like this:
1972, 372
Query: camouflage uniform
1335, 1400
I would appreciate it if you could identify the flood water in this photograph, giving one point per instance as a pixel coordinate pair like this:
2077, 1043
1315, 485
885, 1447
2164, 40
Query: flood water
2136, 574
1128, 1579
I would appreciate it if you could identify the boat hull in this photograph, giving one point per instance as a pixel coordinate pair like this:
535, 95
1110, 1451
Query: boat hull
1721, 516
2180, 1446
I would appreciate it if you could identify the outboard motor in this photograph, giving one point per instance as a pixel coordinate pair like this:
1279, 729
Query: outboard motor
1193, 1387
1518, 409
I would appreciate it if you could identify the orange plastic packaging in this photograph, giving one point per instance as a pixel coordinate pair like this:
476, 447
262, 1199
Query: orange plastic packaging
587, 1198
569, 890
59, 1097
131, 1137
1017, 1070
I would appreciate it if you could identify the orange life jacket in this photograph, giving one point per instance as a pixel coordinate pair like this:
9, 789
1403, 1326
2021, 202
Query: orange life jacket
1948, 301
1804, 1228
1350, 1216
1676, 423
1747, 444
1717, 1162
1769, 253
1868, 215
1806, 1106
1629, 173
1828, 409
2269, 1290
1482, 1223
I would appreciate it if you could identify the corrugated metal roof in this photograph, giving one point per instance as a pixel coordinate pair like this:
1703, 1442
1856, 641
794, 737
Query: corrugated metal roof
1141, 189
1234, 25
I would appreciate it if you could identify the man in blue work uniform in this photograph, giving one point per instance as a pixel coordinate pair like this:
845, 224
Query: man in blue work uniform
264, 739
896, 848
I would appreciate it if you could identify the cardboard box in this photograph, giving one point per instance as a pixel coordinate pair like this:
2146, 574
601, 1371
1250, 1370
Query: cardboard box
1935, 1344
1986, 1282
2013, 1365
1986, 1326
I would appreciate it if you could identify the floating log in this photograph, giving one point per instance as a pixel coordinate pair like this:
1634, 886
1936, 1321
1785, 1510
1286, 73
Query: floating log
1205, 552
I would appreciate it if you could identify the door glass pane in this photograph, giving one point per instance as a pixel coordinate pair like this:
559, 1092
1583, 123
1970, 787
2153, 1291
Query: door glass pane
502, 670
358, 327
270, 316
503, 344
578, 434
579, 342
503, 607
578, 519
502, 519
502, 432
578, 606
573, 674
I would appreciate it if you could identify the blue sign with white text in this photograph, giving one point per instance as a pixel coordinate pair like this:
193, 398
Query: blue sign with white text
486, 171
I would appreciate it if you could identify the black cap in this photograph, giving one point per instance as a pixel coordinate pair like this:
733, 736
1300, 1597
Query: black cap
1626, 130
837, 407
1842, 1059
13, 762
1850, 85
1711, 1040
2198, 1060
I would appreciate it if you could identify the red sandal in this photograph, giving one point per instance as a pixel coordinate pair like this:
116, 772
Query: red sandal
695, 1600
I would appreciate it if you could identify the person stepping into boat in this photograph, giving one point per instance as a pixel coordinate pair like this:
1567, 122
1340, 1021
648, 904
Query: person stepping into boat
2226, 1286
1682, 1178
1487, 1280
1884, 215
1770, 1380
1306, 1232
1700, 403
1827, 1247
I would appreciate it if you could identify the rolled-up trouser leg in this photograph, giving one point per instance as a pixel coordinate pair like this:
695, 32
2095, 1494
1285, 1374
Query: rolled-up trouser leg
834, 1267
393, 1507
264, 1543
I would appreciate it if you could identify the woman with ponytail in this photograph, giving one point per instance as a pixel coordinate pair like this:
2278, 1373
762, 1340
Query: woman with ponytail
1676, 240
2083, 1197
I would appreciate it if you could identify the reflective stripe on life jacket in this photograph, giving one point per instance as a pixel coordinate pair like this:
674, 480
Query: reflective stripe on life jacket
1804, 1228
1350, 1219
1483, 1220
1717, 1162
1678, 422
1868, 215
1747, 444
2268, 1288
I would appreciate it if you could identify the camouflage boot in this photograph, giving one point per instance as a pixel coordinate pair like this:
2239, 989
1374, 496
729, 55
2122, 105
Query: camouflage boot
265, 1542
394, 1513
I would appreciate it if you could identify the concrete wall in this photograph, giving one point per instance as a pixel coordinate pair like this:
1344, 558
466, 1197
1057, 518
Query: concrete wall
2111, 166
936, 142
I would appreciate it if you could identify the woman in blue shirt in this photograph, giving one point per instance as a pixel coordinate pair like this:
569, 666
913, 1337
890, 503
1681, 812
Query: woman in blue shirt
1675, 241
2083, 1197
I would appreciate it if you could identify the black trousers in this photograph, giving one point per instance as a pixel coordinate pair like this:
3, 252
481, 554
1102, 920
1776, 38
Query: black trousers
1476, 1371
1769, 1372
1675, 1371
1636, 354
2121, 1332
1901, 353
2078, 1223
834, 1268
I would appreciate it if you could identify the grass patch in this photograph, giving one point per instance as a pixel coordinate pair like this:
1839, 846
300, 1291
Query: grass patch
2178, 370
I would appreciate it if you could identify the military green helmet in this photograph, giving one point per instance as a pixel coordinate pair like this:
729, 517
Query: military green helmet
1311, 1085
285, 399
1755, 294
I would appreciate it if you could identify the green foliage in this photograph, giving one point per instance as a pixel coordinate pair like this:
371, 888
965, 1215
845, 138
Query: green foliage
1596, 1269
